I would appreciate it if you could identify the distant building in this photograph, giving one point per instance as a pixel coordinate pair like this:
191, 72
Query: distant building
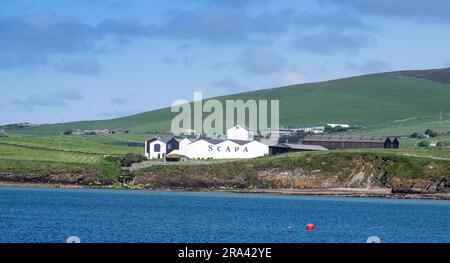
291, 147
351, 142
3, 134
334, 125
289, 131
79, 132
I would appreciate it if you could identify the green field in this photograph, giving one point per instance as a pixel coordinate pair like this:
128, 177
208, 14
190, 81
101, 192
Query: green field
46, 154
395, 103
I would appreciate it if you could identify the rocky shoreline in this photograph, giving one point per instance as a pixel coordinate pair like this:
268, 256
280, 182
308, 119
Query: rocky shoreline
336, 174
331, 192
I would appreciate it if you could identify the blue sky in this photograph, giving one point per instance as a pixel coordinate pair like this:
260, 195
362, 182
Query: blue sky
84, 60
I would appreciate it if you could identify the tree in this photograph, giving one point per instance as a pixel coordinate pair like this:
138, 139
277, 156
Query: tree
417, 135
293, 138
329, 129
68, 132
431, 133
423, 143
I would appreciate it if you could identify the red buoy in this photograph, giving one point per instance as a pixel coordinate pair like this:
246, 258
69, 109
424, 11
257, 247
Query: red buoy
310, 227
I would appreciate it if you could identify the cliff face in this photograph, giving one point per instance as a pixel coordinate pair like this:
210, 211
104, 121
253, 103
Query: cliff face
81, 177
337, 170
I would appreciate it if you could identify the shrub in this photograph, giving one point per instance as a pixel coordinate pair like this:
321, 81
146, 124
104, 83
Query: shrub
68, 132
423, 143
131, 158
431, 133
329, 129
417, 135
293, 138
126, 160
443, 144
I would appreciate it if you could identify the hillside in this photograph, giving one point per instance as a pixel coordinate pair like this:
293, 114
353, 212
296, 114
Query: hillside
439, 75
393, 103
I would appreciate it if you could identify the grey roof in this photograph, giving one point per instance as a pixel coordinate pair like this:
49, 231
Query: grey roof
344, 138
217, 141
303, 147
240, 142
176, 139
213, 141
164, 140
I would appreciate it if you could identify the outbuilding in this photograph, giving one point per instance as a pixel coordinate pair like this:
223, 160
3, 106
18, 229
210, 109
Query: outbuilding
351, 142
293, 147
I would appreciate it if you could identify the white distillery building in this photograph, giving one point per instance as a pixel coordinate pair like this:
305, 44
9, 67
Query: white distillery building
156, 148
239, 144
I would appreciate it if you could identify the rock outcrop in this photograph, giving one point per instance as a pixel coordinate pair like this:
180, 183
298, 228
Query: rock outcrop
80, 177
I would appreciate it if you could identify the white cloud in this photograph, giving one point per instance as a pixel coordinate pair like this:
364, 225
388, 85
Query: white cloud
292, 78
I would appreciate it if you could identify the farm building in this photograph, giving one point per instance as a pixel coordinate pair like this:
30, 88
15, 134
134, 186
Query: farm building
351, 142
3, 134
291, 147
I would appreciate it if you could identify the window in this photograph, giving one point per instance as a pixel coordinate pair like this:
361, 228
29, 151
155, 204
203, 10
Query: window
157, 148
169, 146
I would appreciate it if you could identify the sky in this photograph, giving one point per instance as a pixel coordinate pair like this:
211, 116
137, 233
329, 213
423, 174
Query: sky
69, 60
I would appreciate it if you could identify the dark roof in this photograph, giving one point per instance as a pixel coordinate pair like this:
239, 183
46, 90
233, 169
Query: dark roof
295, 146
240, 142
213, 141
164, 140
217, 141
176, 139
344, 138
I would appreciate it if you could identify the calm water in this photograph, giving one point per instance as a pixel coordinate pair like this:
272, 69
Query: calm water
52, 215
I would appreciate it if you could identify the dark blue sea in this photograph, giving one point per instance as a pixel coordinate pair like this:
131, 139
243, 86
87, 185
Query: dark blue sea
52, 215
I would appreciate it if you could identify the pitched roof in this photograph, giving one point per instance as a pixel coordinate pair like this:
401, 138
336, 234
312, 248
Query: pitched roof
242, 127
213, 141
303, 147
217, 141
240, 142
164, 140
344, 138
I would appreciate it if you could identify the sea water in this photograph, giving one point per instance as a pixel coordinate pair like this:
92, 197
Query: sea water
53, 215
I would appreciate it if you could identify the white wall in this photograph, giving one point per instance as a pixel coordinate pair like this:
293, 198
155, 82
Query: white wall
152, 154
183, 144
225, 150
240, 133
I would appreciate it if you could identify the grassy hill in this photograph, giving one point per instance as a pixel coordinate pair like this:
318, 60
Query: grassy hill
393, 103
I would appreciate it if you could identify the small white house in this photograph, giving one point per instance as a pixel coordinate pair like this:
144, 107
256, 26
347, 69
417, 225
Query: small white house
240, 133
156, 148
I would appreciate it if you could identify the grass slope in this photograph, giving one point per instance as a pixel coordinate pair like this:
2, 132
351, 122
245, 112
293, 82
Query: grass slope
51, 154
404, 101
